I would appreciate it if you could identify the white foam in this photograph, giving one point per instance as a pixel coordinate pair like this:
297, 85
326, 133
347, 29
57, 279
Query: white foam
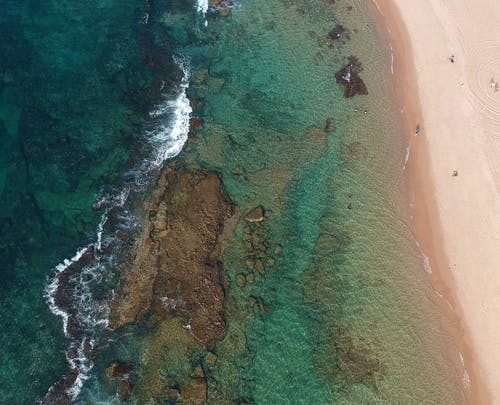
466, 379
392, 60
407, 156
202, 6
82, 365
378, 7
52, 287
427, 264
169, 137
425, 259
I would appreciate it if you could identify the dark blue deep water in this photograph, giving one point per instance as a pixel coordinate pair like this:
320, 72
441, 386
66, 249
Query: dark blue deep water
77, 80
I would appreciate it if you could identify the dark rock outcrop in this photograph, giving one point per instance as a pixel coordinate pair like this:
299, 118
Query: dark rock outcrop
349, 77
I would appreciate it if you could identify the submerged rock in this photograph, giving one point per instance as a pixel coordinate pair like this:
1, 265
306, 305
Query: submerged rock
329, 126
338, 32
118, 370
241, 280
256, 215
348, 76
258, 303
196, 123
194, 391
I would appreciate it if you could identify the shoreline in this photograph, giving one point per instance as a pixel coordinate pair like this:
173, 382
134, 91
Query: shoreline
438, 220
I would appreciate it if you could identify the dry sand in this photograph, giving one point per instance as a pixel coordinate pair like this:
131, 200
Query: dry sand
459, 112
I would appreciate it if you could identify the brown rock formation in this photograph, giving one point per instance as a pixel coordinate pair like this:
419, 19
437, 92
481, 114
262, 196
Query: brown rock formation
256, 215
175, 270
348, 76
174, 275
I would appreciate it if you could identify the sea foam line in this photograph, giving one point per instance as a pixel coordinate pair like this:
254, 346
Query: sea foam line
425, 259
407, 157
202, 6
53, 286
169, 138
392, 60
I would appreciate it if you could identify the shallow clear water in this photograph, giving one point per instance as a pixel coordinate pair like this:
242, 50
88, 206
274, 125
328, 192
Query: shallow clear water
352, 317
342, 310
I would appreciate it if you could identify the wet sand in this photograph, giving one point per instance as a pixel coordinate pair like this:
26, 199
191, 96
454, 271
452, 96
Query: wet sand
454, 164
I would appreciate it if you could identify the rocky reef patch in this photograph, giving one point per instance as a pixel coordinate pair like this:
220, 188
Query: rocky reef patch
175, 284
349, 77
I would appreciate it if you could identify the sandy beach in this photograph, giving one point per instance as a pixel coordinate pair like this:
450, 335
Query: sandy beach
455, 162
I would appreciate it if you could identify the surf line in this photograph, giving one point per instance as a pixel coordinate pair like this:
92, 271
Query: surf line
68, 292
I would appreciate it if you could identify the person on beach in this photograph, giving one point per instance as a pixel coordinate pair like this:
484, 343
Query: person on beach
494, 84
452, 58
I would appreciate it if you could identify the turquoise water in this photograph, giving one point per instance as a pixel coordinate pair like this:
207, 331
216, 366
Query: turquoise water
342, 310
349, 305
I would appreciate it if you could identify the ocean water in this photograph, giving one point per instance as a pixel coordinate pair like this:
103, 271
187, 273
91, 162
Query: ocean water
351, 316
77, 82
94, 98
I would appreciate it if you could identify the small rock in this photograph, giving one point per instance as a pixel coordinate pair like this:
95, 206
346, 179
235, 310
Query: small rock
198, 372
259, 266
261, 247
200, 76
278, 249
196, 123
241, 280
336, 32
211, 359
250, 263
163, 234
329, 125
270, 262
250, 278
257, 302
118, 370
238, 171
125, 389
256, 215
173, 394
